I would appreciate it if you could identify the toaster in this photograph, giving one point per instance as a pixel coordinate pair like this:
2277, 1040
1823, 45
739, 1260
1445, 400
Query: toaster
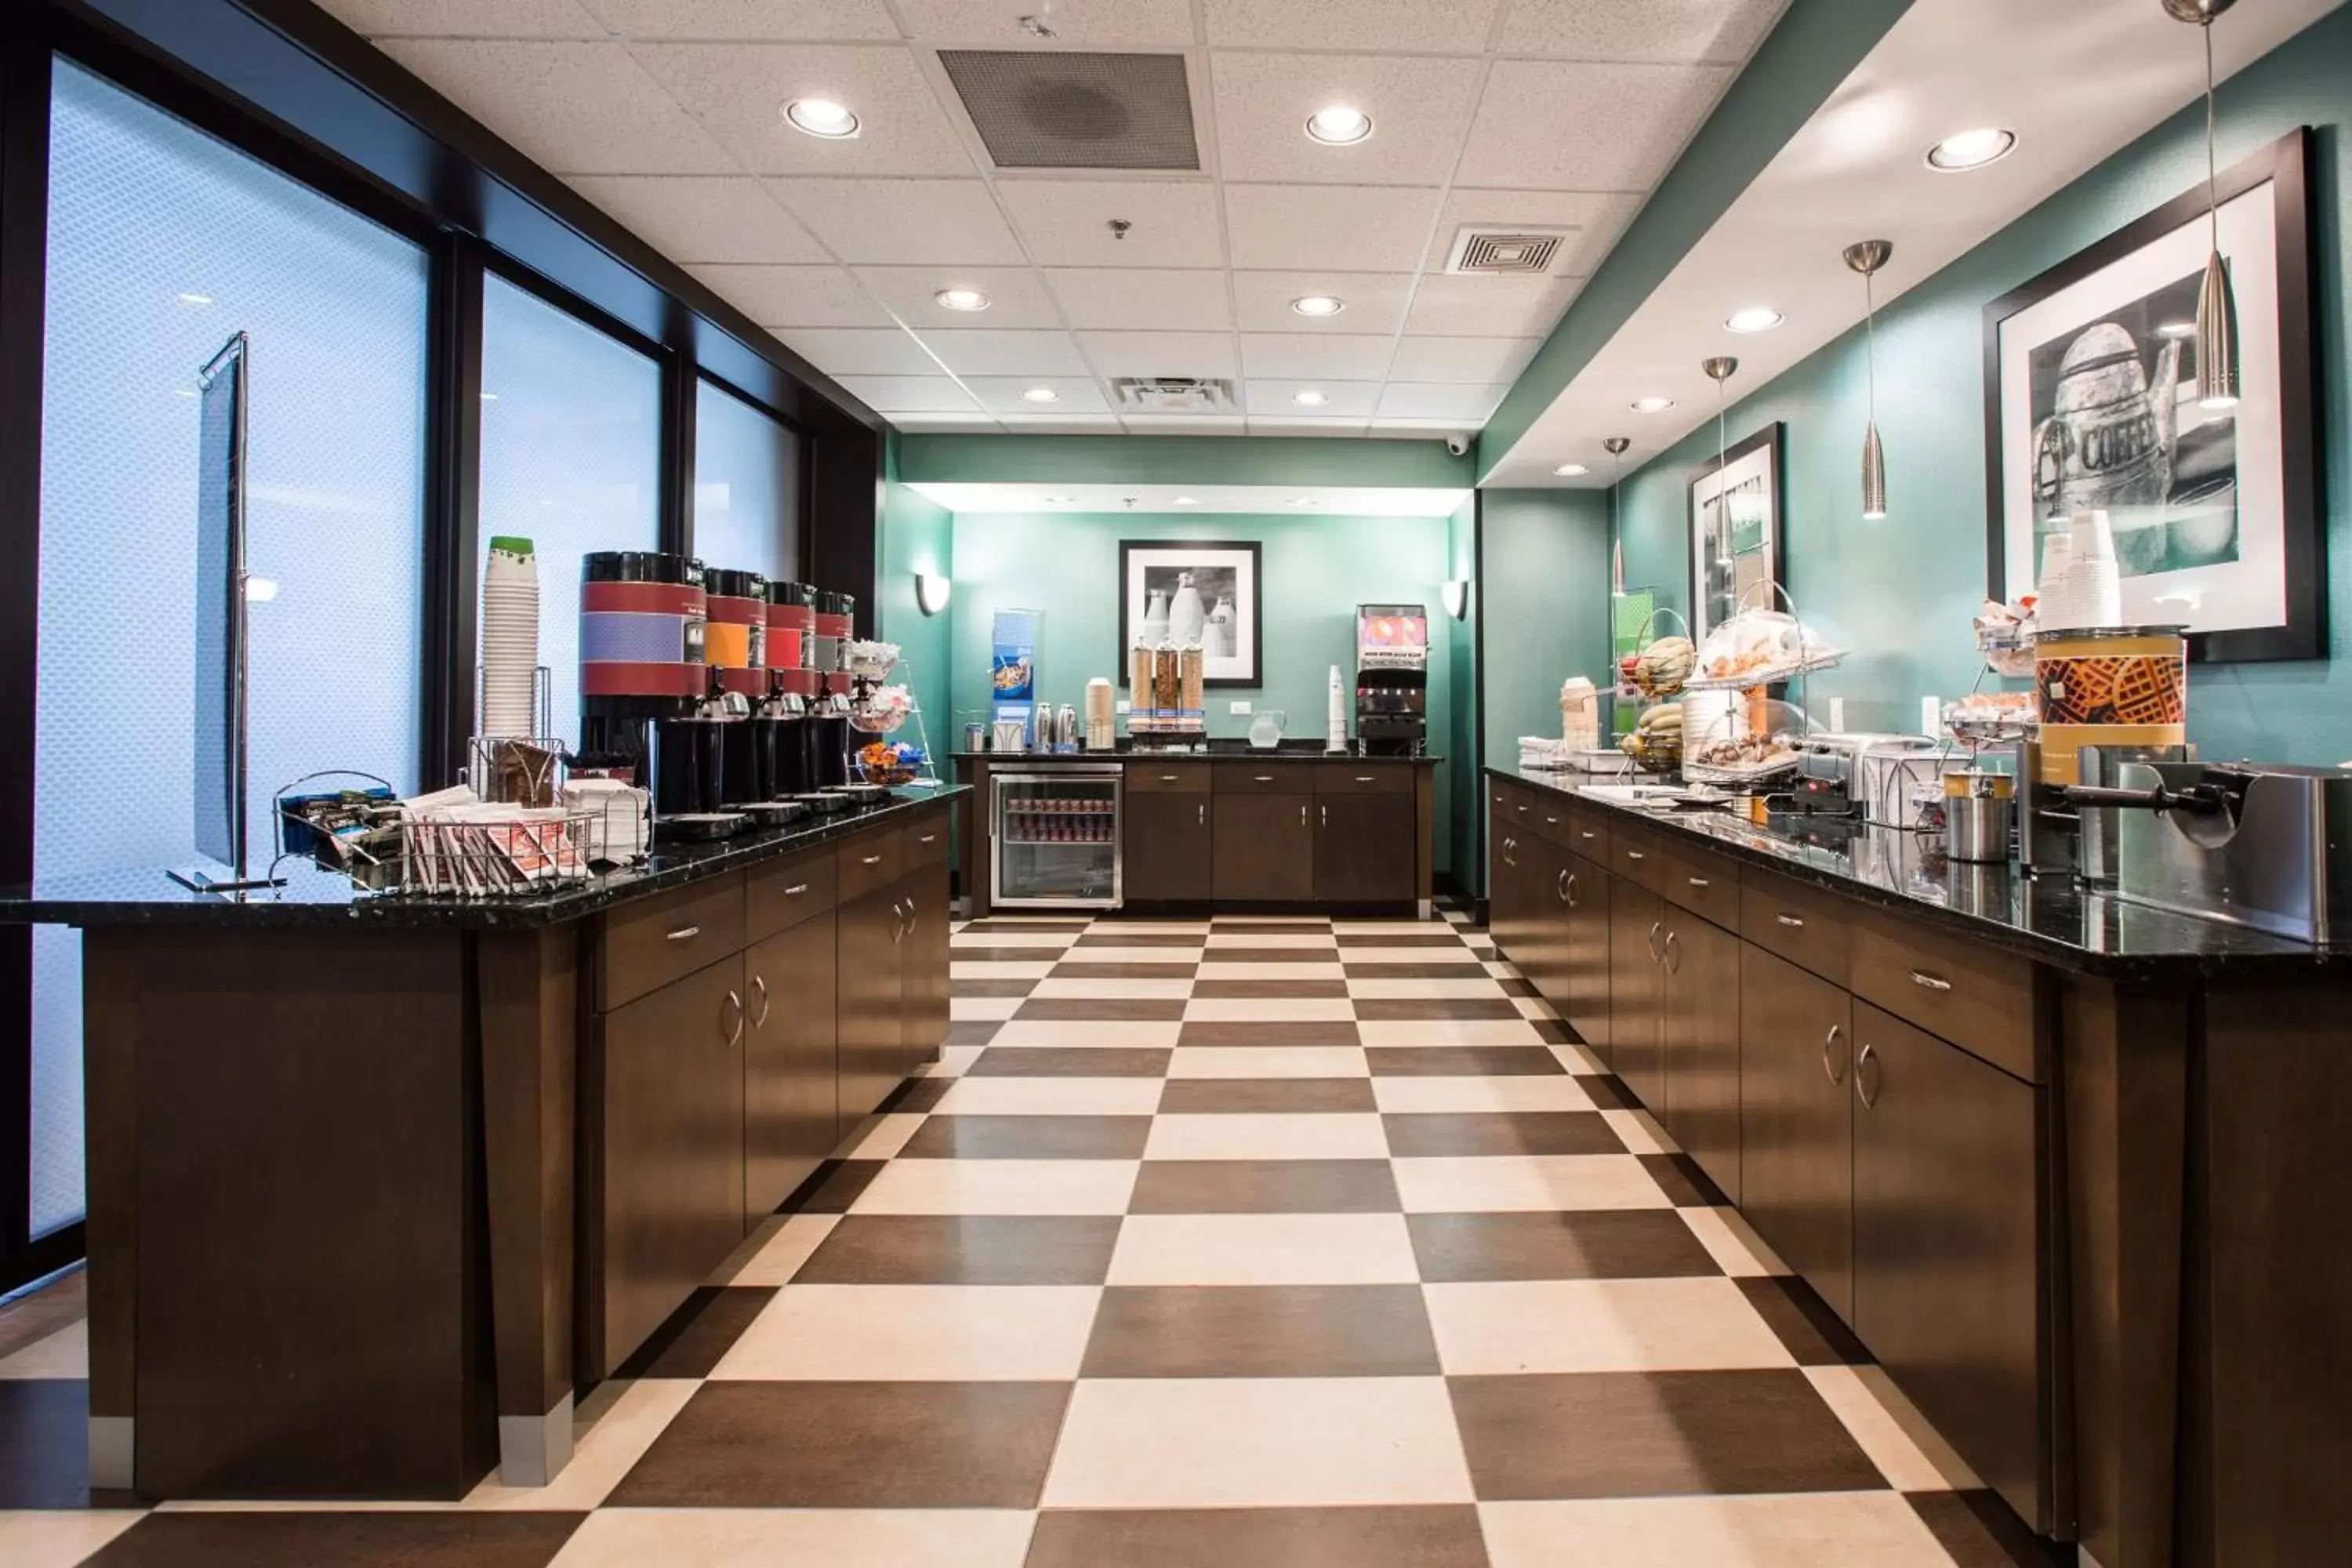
1880, 778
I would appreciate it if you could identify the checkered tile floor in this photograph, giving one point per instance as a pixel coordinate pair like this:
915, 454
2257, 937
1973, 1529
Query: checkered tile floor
1242, 1242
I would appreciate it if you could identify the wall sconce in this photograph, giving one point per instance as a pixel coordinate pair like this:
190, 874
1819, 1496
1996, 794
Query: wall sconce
932, 592
1458, 597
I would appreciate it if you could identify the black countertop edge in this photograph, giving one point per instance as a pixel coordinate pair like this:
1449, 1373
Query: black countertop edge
2050, 918
319, 901
1239, 754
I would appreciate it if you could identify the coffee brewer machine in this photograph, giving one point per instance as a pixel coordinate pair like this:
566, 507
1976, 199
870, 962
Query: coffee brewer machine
1392, 680
781, 763
828, 724
649, 710
737, 644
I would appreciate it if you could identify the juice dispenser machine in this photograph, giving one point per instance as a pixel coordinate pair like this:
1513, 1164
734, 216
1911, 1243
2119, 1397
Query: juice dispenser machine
1392, 680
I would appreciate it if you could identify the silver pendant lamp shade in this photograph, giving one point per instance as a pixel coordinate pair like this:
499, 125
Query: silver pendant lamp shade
2217, 304
1867, 256
1615, 446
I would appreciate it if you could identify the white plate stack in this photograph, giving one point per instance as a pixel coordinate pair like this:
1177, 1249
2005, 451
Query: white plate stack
509, 637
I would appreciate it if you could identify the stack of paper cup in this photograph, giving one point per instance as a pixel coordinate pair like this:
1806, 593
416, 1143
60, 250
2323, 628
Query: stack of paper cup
2095, 584
2052, 607
509, 637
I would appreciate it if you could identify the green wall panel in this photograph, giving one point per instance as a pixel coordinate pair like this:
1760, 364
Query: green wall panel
917, 535
1544, 574
1460, 741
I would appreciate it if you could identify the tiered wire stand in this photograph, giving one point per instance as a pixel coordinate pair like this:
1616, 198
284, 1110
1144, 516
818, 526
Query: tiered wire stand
1758, 712
877, 716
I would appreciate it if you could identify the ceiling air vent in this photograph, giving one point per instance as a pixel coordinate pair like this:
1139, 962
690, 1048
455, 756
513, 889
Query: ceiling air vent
1509, 251
1173, 395
1072, 109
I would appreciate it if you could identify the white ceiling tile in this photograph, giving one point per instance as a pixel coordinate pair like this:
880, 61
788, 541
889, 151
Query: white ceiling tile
1567, 125
1362, 228
901, 222
573, 109
1277, 426
1311, 355
1142, 299
1717, 32
1091, 23
1425, 400
1067, 222
1000, 352
1594, 219
1462, 360
1419, 107
1489, 307
1015, 297
1375, 301
1279, 398
746, 19
907, 394
1160, 353
860, 350
796, 296
1457, 27
465, 18
1002, 394
698, 219
739, 91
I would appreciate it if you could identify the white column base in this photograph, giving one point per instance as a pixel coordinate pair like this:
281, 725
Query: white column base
533, 1450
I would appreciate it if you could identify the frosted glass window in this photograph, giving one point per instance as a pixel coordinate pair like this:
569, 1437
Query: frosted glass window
162, 243
571, 459
747, 487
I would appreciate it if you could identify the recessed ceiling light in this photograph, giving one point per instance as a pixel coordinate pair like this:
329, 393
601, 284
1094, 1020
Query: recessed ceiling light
1652, 404
1754, 319
1338, 125
2177, 330
961, 299
195, 298
1318, 305
822, 117
1571, 470
1041, 394
1187, 501
1968, 150
1310, 398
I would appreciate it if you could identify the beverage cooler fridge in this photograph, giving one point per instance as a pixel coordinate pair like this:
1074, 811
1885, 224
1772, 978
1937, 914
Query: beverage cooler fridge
1055, 837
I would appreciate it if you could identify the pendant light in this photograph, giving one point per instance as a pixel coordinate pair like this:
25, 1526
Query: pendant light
1615, 446
1718, 370
2217, 304
1867, 256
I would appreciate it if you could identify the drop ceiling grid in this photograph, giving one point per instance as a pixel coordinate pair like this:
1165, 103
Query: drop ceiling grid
849, 241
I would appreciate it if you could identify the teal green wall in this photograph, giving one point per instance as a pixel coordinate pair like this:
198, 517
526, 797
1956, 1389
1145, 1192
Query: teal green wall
1544, 571
1460, 740
917, 535
1901, 591
1313, 571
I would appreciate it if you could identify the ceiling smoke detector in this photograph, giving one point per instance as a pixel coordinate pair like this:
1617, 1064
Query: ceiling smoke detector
1174, 395
1518, 252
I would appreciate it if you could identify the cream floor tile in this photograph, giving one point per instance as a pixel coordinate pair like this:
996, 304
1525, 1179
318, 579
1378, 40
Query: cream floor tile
886, 1135
1052, 1096
1458, 957
1171, 989
1303, 941
65, 1354
922, 1333
999, 1186
1521, 1182
1064, 1033
1738, 1250
1177, 958
993, 969
1811, 1530
1269, 1010
614, 1429
1449, 1032
1498, 968
60, 1538
954, 1061
1576, 1058
1212, 970
1398, 1095
1263, 1249
1534, 1008
784, 1252
1149, 928
1257, 1442
1472, 989
1638, 1131
1319, 922
1890, 1447
1390, 928
1599, 1325
977, 943
1268, 1061
835, 1538
983, 1009
1323, 1136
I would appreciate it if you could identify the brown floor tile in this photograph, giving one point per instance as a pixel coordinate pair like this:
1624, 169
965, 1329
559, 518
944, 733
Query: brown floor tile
1514, 986
1328, 989
690, 1343
1261, 1330
1121, 936
1457, 970
1553, 1032
1803, 1321
1227, 1031
1462, 1062
1069, 1061
833, 1187
991, 987
1271, 954
1597, 1244
1077, 968
1008, 954
44, 1443
1274, 928
1029, 1138
1103, 1009
1442, 937
1980, 1530
1431, 1537
1685, 1184
964, 1249
973, 1031
1609, 1092
1501, 1133
393, 1539
1264, 1186
1415, 1009
1640, 1433
1196, 1096
917, 1094
852, 1445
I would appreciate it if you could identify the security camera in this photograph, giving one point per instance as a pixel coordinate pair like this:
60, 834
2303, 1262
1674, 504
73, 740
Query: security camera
1458, 444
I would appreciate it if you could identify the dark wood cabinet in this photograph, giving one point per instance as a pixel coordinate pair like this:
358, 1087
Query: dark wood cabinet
1636, 1047
868, 946
1168, 846
1264, 846
1796, 1131
1699, 1039
790, 1110
1364, 844
1584, 956
923, 957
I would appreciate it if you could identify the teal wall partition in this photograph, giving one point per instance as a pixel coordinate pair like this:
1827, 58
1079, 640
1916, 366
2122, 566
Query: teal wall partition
1544, 569
919, 535
1901, 592
1460, 740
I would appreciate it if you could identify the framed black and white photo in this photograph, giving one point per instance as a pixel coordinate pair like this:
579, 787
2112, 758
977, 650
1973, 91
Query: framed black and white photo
2091, 404
1184, 591
1736, 544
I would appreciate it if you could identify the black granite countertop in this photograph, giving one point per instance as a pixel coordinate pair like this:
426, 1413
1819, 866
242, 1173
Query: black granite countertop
1220, 750
2051, 919
318, 900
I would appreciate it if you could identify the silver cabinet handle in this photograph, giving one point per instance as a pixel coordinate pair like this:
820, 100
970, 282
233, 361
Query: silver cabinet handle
734, 1030
929, 839
1367, 778
1830, 1064
760, 983
1302, 813
1928, 982
1203, 809
1698, 881
1656, 955
870, 861
1261, 778
1869, 1097
797, 889
1586, 834
1635, 854
897, 919
1791, 922
1549, 820
1565, 883
1168, 778
684, 934
1325, 813
1674, 953
910, 918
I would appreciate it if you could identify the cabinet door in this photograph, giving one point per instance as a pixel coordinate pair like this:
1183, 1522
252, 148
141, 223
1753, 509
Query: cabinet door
789, 1113
1702, 1043
1560, 894
1796, 1132
1636, 932
1507, 909
1947, 1244
1264, 848
923, 966
869, 1001
1363, 848
1166, 847
671, 1187
1585, 962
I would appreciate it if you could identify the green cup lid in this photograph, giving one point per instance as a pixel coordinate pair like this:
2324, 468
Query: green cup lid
512, 544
